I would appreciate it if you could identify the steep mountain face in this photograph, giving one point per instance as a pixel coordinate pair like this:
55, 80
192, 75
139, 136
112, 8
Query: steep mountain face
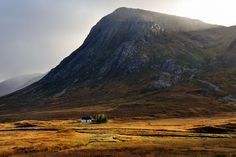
230, 56
120, 42
17, 83
136, 63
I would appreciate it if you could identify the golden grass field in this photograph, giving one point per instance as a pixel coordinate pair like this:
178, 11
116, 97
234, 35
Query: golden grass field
121, 138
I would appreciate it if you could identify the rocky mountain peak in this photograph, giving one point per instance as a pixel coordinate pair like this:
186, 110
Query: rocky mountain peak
160, 20
116, 42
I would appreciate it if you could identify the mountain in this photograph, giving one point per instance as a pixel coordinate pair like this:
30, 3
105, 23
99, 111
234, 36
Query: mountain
17, 83
136, 63
230, 56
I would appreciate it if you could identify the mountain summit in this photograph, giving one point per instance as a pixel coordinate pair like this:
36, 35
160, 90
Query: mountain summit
136, 63
154, 20
117, 43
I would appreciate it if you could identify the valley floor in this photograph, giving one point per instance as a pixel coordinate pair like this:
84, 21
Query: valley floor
198, 137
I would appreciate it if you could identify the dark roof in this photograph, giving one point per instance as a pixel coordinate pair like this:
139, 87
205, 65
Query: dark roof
86, 117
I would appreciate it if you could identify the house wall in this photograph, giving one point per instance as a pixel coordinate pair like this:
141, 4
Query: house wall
86, 121
89, 121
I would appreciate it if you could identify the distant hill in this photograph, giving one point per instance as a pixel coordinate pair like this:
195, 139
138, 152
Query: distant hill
17, 83
136, 63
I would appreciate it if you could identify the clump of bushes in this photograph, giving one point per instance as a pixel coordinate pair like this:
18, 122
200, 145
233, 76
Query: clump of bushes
100, 118
210, 129
24, 125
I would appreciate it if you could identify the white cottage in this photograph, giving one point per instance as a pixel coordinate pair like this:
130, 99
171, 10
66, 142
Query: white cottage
87, 119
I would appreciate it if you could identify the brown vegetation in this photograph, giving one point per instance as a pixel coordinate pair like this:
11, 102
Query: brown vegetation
161, 137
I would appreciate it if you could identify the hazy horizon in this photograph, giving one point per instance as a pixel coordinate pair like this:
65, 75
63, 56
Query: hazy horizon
37, 35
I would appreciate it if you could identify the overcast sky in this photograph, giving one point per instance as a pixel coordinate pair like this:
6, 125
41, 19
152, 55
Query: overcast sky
35, 35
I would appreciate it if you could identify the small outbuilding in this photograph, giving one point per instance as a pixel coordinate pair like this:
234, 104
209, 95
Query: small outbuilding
86, 119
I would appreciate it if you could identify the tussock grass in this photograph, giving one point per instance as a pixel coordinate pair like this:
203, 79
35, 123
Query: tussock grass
162, 137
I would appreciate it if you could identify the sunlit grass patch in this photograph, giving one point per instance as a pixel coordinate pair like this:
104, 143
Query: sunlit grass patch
104, 138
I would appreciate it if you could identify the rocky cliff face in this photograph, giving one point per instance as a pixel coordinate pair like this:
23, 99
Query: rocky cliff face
229, 57
128, 41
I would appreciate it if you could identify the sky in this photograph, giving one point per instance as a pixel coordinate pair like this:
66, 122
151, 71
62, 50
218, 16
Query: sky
35, 35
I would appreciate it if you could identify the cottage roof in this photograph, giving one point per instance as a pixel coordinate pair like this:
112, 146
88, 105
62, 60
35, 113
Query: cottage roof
86, 117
